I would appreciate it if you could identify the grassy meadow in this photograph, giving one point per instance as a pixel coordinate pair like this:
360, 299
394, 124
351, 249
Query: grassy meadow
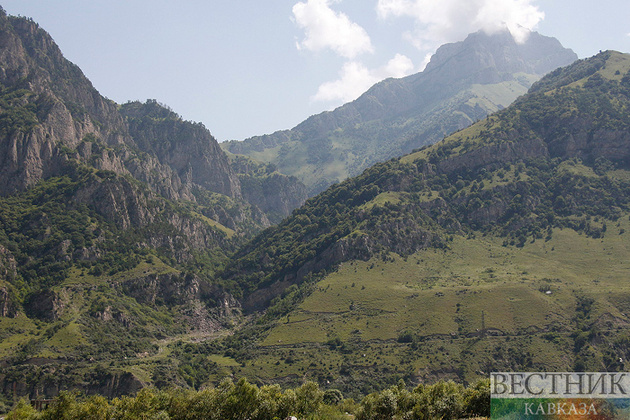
454, 313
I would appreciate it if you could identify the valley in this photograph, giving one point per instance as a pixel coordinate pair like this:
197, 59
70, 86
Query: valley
137, 257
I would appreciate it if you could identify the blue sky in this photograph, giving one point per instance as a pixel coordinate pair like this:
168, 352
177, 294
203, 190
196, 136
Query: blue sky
249, 67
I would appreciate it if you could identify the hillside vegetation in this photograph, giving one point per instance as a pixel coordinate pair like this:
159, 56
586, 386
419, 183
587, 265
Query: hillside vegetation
114, 221
552, 159
501, 247
132, 254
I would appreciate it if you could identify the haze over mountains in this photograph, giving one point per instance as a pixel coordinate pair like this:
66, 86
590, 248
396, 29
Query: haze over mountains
463, 82
135, 252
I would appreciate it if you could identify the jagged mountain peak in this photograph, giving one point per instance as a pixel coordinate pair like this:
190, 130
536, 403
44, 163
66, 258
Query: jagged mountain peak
481, 58
31, 59
464, 82
539, 54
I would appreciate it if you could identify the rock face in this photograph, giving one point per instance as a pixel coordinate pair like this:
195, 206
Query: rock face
46, 381
53, 116
464, 82
276, 195
495, 155
47, 305
7, 265
58, 106
262, 185
9, 306
188, 149
69, 113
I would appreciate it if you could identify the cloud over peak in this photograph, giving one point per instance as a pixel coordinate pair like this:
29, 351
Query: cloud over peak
325, 28
435, 23
439, 22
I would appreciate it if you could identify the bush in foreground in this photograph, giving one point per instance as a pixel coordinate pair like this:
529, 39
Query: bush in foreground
242, 400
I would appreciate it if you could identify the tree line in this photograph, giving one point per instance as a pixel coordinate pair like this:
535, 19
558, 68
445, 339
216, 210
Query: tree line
243, 400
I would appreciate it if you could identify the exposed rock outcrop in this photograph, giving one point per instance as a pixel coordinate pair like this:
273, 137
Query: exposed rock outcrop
495, 154
49, 379
9, 306
207, 307
262, 185
61, 118
277, 195
49, 305
187, 148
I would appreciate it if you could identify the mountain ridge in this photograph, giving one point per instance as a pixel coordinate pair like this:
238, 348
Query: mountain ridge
397, 115
501, 247
114, 220
520, 132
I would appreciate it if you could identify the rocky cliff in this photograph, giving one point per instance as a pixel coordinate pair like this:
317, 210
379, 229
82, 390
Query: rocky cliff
188, 149
51, 114
9, 301
59, 108
262, 185
47, 104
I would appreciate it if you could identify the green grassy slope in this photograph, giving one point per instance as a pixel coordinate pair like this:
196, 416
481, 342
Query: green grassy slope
390, 296
502, 247
457, 313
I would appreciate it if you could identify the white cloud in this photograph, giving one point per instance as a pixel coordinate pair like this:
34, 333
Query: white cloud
398, 66
324, 28
355, 79
439, 22
327, 29
425, 61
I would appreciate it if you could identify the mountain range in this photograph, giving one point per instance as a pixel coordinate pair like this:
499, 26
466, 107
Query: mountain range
103, 203
501, 247
463, 83
135, 252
